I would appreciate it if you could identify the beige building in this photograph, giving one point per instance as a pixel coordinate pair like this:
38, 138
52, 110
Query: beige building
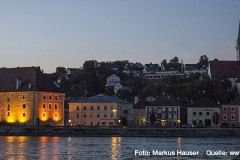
28, 98
202, 113
99, 110
139, 113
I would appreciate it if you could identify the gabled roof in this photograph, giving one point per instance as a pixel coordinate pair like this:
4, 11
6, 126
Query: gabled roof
100, 98
141, 105
29, 79
230, 69
236, 101
152, 66
166, 100
203, 103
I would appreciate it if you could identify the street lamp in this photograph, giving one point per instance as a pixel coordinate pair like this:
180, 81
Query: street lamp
114, 112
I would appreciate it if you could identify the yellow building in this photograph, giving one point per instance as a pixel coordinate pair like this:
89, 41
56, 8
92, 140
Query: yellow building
100, 110
28, 98
202, 113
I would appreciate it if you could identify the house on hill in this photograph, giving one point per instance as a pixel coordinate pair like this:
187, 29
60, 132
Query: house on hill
27, 97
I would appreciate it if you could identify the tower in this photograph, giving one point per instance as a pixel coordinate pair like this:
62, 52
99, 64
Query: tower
238, 44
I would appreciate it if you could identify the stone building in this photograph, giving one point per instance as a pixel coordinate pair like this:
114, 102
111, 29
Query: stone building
28, 98
99, 110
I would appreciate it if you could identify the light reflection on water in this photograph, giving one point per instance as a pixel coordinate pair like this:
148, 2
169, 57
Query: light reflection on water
57, 148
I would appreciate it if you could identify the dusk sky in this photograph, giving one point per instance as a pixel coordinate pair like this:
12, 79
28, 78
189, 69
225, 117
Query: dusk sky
52, 33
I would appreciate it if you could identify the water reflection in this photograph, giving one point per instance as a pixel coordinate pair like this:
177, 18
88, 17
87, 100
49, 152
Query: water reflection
116, 147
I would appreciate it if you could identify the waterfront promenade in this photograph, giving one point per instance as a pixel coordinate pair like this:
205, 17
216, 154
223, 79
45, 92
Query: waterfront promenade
123, 132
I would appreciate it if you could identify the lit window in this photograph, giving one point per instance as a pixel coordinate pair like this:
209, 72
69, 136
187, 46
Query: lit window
24, 106
24, 114
44, 114
8, 114
55, 115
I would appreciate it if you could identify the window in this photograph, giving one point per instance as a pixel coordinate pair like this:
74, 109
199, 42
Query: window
8, 114
105, 115
24, 97
105, 107
111, 115
233, 116
55, 115
98, 115
44, 114
233, 109
207, 113
224, 109
77, 108
49, 106
56, 97
8, 107
84, 108
77, 115
23, 114
224, 116
44, 106
103, 123
98, 107
90, 115
110, 123
200, 113
44, 96
85, 116
24, 106
91, 123
194, 113
91, 107
50, 97
56, 107
137, 115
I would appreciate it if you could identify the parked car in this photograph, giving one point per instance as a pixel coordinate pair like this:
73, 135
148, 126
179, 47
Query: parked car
187, 126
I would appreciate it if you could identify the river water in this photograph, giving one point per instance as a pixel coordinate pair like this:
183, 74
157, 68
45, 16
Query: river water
126, 148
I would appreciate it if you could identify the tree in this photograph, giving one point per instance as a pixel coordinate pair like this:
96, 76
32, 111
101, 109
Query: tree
123, 121
215, 118
153, 118
174, 60
60, 70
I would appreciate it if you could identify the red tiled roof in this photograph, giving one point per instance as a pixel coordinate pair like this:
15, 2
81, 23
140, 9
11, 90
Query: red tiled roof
32, 79
230, 69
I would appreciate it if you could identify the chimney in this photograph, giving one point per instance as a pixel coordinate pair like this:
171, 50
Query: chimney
18, 83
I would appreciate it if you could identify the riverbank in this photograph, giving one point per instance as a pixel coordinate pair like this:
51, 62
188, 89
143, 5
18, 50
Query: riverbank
123, 132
